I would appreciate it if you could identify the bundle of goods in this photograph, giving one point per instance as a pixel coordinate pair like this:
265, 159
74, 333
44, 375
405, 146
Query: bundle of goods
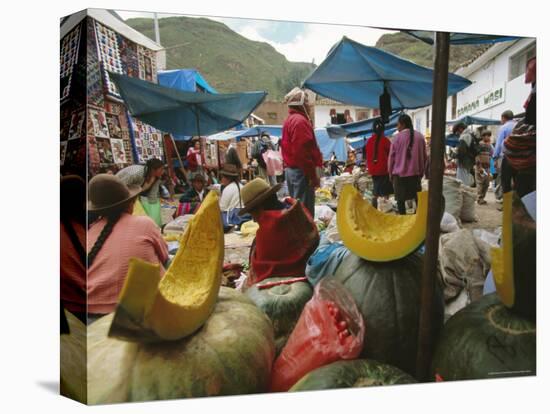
363, 182
330, 328
154, 345
283, 303
341, 181
496, 336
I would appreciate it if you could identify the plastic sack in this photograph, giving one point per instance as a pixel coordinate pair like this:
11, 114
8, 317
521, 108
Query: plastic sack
468, 210
453, 196
330, 328
324, 213
449, 223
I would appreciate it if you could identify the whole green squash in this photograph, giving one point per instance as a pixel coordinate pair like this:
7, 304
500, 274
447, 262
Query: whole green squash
353, 373
283, 304
485, 340
388, 296
232, 353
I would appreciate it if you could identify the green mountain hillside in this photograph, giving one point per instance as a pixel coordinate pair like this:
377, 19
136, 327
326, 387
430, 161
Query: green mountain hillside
228, 61
408, 47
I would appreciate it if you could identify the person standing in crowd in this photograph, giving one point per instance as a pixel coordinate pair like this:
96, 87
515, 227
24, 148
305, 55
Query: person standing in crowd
192, 198
350, 162
520, 147
407, 162
466, 153
149, 178
507, 121
73, 242
261, 146
377, 151
114, 239
301, 155
194, 158
232, 157
334, 170
287, 225
483, 164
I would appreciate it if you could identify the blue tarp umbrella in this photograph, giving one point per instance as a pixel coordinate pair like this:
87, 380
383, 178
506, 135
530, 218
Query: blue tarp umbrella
328, 145
357, 74
185, 113
461, 38
474, 120
364, 127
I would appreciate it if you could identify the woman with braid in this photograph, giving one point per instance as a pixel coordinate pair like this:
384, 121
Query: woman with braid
115, 238
407, 162
377, 152
148, 177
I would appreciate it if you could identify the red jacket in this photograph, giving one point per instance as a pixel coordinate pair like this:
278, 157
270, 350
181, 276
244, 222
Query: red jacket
298, 145
380, 167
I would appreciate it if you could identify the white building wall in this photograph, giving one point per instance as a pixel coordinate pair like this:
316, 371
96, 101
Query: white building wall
322, 113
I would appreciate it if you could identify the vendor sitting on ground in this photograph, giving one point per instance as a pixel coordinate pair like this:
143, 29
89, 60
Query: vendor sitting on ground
193, 196
148, 177
287, 235
231, 188
115, 238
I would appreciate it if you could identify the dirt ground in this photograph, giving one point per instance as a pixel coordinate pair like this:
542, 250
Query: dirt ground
489, 218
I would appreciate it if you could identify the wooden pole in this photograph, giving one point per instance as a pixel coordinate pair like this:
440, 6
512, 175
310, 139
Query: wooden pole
426, 330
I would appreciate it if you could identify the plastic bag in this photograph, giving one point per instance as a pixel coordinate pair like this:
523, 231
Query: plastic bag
449, 223
330, 328
453, 196
324, 213
468, 210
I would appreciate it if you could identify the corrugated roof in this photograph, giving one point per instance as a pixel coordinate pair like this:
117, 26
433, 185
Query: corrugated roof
110, 19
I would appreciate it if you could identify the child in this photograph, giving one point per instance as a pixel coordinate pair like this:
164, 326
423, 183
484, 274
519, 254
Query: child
483, 164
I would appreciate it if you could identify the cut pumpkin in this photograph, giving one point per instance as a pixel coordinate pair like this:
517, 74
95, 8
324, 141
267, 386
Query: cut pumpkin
178, 304
514, 264
377, 236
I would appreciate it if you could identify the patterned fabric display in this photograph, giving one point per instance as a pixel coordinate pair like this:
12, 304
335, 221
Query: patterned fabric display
147, 64
109, 56
94, 83
148, 141
68, 58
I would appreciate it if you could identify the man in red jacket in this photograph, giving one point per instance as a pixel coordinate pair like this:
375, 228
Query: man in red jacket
301, 155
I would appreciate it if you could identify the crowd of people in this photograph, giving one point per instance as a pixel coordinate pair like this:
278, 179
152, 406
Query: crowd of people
397, 166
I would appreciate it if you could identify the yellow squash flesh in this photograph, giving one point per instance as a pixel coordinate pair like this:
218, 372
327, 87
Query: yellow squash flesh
178, 305
502, 258
377, 236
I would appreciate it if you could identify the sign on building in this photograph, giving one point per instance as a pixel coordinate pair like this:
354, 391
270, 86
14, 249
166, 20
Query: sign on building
489, 99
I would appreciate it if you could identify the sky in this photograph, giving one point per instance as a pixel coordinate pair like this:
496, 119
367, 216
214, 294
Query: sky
299, 42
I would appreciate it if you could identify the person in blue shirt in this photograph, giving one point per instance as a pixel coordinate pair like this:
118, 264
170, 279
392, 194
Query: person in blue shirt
507, 121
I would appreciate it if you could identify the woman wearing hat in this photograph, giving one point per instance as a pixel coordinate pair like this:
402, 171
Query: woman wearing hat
148, 177
193, 196
115, 238
286, 237
231, 193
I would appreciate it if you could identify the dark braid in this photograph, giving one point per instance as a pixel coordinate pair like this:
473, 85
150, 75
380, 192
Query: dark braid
379, 131
407, 122
112, 219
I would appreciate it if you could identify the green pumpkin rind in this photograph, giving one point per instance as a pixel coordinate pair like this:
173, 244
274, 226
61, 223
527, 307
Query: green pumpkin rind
485, 340
283, 304
231, 354
388, 296
352, 374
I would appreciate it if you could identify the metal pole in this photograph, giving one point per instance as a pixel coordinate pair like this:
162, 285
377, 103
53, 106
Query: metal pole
426, 331
157, 31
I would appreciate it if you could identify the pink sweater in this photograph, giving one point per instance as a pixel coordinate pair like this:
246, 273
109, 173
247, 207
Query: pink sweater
399, 164
132, 236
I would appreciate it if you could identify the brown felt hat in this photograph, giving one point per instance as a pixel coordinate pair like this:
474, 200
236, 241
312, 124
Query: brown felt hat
230, 170
107, 191
255, 193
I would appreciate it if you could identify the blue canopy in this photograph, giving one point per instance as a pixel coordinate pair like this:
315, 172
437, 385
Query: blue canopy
356, 74
184, 80
272, 130
360, 141
185, 113
451, 140
328, 145
461, 38
364, 127
474, 120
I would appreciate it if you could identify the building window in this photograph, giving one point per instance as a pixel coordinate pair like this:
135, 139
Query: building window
519, 60
453, 107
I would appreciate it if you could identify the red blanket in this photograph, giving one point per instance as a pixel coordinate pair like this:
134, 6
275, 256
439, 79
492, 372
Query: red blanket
285, 240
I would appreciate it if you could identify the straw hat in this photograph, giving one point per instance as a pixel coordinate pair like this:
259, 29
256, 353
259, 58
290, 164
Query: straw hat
230, 170
107, 191
198, 176
255, 193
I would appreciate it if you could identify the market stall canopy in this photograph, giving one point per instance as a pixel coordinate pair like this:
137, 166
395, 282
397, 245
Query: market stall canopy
364, 127
451, 140
329, 145
272, 130
185, 113
357, 74
184, 80
359, 142
461, 38
474, 120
